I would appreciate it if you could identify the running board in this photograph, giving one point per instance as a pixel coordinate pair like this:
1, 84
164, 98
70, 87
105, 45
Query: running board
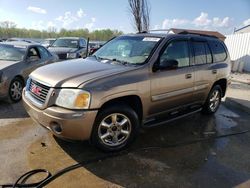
157, 122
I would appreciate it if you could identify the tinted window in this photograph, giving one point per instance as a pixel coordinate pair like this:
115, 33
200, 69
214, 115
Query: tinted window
218, 50
44, 53
177, 50
200, 53
209, 55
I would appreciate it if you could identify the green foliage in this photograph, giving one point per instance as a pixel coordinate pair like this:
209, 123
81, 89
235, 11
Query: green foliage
102, 35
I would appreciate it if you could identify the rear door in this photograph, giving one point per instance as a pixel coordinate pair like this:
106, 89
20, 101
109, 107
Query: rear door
204, 70
172, 88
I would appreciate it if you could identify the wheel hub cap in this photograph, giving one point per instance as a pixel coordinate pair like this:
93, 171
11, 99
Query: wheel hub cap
114, 129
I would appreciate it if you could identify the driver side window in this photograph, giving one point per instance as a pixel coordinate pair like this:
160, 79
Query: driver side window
176, 50
33, 53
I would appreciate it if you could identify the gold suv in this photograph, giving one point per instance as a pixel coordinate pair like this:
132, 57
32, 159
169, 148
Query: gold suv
133, 81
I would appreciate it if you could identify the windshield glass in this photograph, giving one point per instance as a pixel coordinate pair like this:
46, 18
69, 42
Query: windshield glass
47, 42
68, 43
129, 49
11, 53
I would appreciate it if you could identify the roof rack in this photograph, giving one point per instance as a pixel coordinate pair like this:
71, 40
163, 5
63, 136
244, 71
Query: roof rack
213, 34
194, 33
155, 31
159, 30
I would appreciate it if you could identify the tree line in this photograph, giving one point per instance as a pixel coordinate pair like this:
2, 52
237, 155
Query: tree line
8, 31
139, 9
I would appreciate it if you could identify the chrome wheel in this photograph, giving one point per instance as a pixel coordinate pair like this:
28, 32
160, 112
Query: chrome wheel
114, 129
214, 100
16, 90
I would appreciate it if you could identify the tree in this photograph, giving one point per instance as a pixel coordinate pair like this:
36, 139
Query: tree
7, 24
141, 14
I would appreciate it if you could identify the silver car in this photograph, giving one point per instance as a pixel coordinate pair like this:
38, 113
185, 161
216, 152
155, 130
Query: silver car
17, 61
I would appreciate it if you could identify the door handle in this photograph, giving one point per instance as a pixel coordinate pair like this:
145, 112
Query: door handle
188, 76
214, 71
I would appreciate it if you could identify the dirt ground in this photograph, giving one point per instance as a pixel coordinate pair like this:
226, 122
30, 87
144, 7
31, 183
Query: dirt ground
170, 159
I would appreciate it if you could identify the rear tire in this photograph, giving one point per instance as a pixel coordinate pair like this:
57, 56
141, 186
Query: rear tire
115, 128
15, 90
213, 100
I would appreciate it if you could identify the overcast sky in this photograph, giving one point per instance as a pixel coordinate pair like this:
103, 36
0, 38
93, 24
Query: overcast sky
221, 15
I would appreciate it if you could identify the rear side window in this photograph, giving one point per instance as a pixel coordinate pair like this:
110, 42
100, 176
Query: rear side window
218, 51
202, 53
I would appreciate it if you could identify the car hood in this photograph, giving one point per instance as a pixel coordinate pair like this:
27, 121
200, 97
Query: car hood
73, 73
5, 64
61, 50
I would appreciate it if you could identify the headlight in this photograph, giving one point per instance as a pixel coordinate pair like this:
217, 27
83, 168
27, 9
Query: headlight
71, 55
73, 99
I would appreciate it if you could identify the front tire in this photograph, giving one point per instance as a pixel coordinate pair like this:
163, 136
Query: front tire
213, 100
115, 128
15, 90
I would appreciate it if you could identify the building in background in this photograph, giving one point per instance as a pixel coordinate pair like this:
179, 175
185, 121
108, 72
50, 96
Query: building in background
245, 29
238, 45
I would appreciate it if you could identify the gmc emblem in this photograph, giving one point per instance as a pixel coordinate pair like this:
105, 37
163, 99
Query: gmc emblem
36, 90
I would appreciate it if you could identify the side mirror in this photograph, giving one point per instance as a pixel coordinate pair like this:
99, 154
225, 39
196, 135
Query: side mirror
168, 64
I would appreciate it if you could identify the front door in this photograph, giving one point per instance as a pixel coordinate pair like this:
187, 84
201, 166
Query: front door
172, 88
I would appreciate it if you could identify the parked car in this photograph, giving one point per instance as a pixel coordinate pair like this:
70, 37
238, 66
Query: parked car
69, 47
3, 39
48, 42
94, 46
133, 81
17, 61
22, 40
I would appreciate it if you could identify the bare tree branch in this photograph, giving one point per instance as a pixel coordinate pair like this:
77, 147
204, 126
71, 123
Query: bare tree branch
140, 12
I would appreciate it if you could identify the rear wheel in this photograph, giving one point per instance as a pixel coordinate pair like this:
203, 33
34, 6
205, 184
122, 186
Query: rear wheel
15, 90
213, 101
115, 128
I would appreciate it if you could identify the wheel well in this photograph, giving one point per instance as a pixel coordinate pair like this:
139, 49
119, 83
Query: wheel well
132, 100
20, 77
223, 84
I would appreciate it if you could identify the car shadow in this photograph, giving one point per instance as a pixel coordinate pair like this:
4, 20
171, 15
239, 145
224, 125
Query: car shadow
12, 110
156, 153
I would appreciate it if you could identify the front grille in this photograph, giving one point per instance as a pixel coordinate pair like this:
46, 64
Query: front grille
38, 91
62, 56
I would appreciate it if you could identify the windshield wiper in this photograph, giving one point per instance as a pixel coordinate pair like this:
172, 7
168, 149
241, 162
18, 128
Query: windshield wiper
112, 60
120, 61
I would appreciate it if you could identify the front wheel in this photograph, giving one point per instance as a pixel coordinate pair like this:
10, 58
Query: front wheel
213, 101
115, 128
15, 90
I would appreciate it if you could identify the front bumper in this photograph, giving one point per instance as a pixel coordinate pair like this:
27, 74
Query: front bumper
69, 124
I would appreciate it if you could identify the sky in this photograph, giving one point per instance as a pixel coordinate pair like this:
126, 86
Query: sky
220, 15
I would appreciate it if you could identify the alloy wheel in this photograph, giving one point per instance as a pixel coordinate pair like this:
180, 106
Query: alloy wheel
114, 129
16, 90
214, 100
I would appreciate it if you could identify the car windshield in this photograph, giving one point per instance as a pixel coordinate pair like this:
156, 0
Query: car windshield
68, 43
11, 53
47, 42
128, 49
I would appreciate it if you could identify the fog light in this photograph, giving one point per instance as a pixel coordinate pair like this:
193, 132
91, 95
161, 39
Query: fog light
56, 127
